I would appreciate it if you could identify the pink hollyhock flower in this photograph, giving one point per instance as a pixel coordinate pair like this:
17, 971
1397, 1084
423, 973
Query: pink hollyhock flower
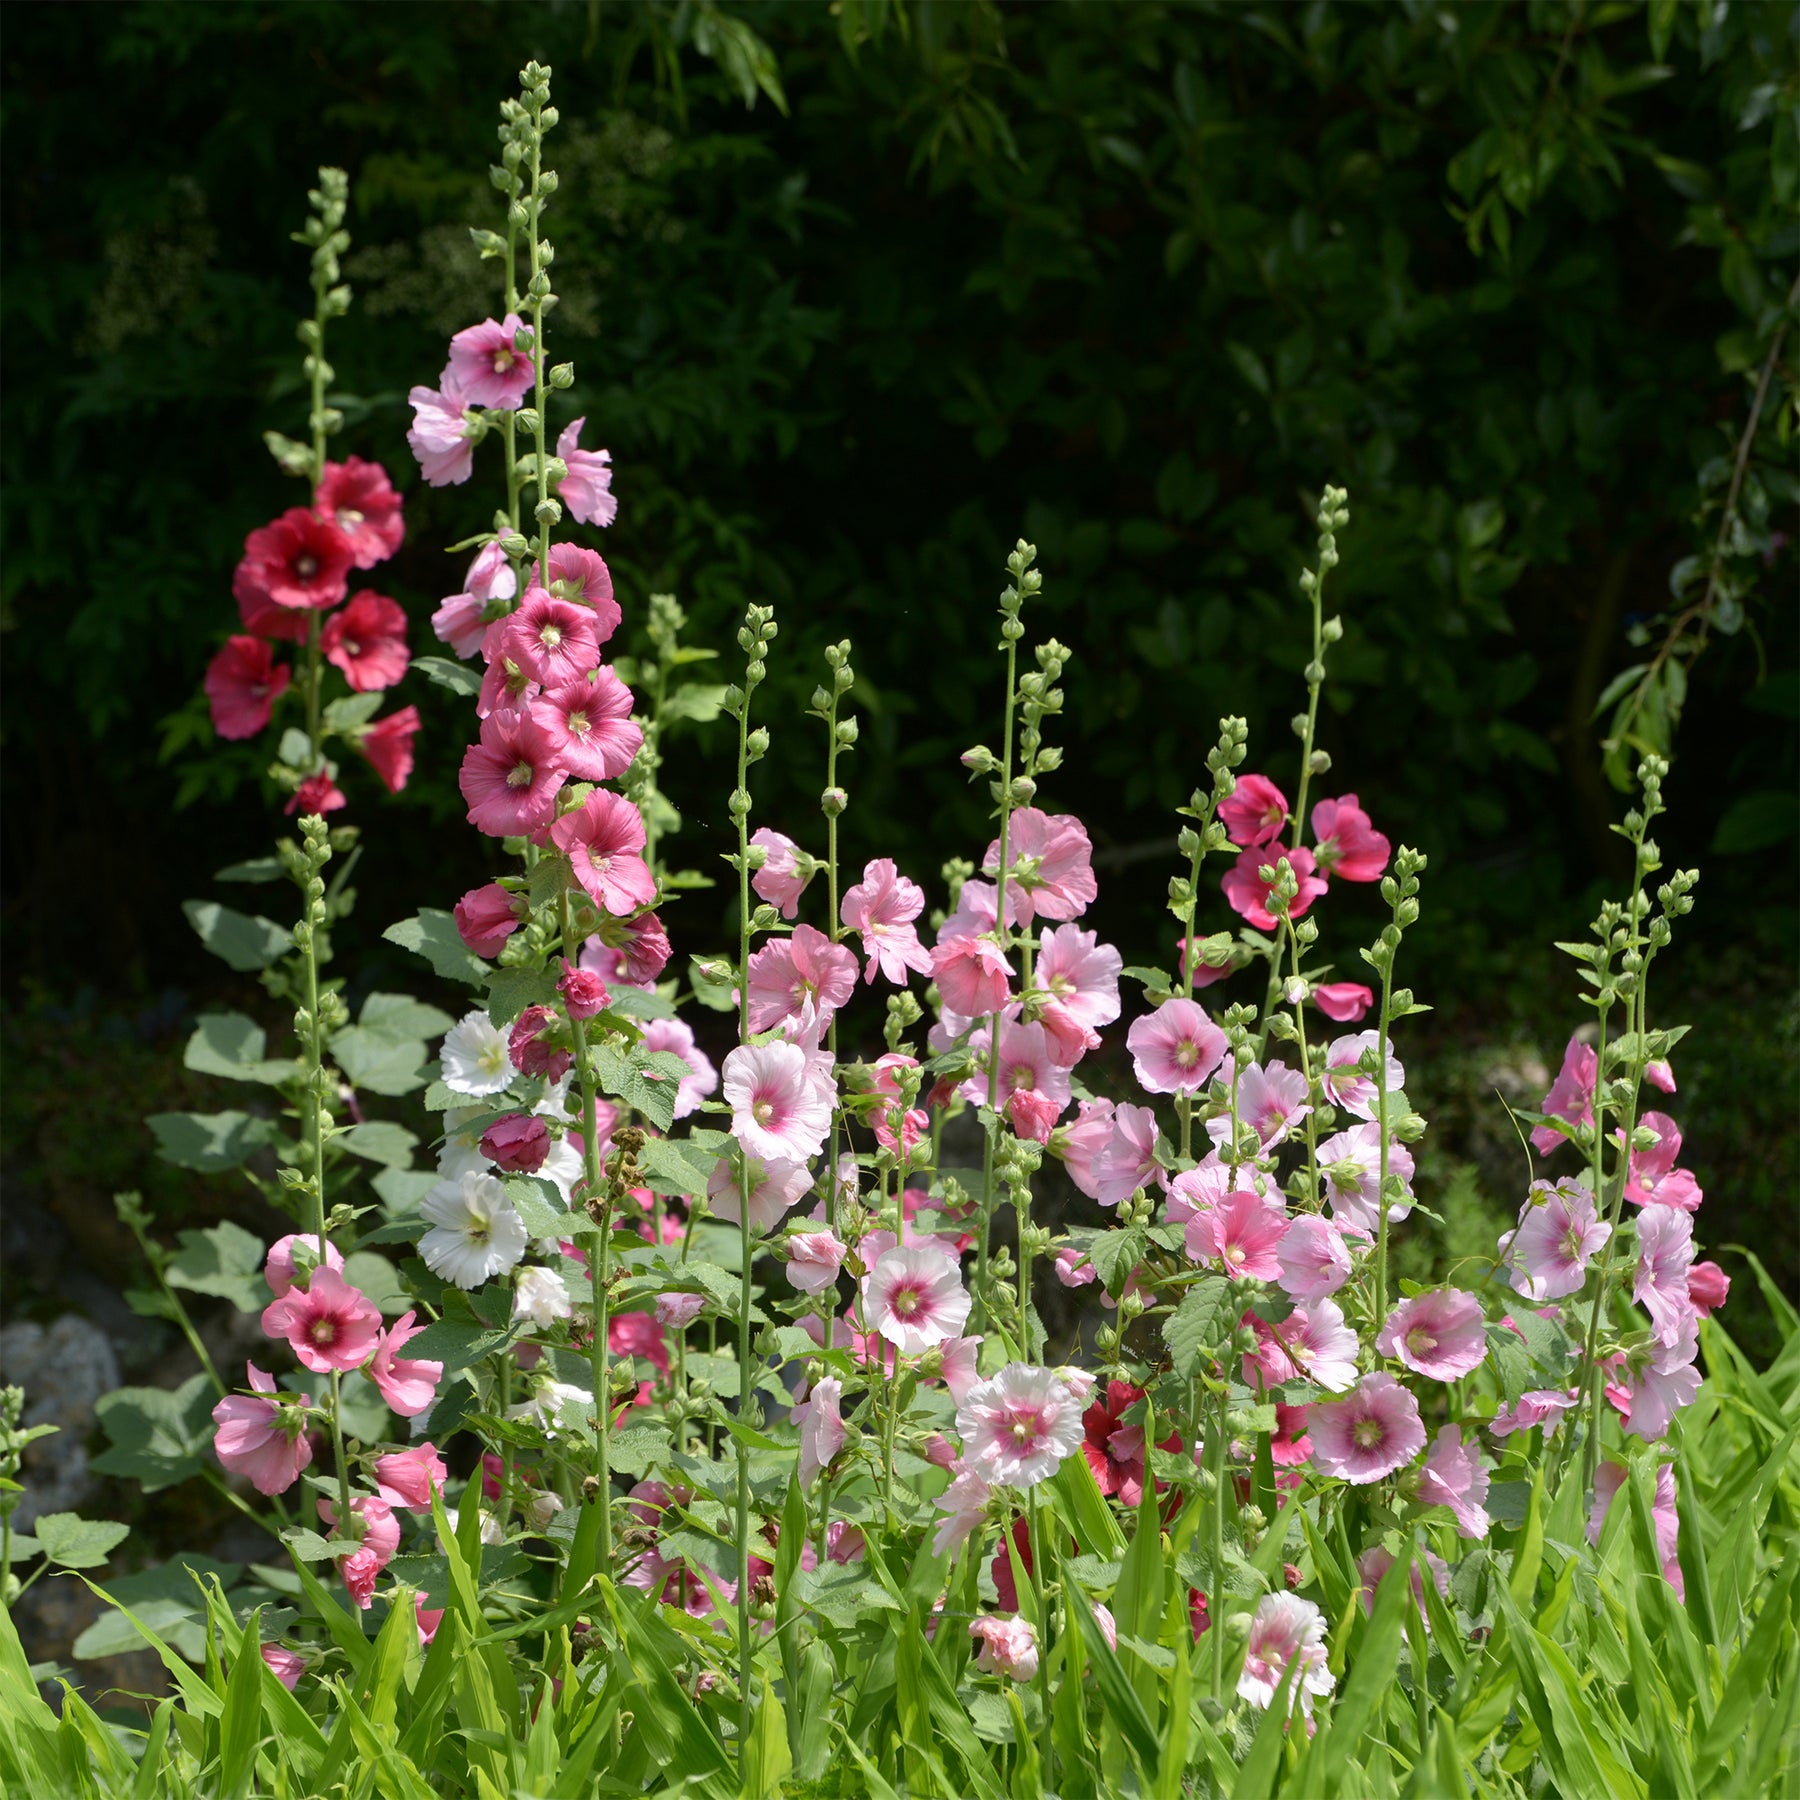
487, 916
1441, 1333
442, 435
486, 363
1290, 1446
262, 617
1658, 1383
329, 1325
1343, 1001
785, 871
406, 1477
1346, 1086
1129, 1160
1313, 1258
1244, 1233
1197, 1613
1349, 845
1571, 1096
298, 560
1286, 1632
1050, 864
1664, 1519
821, 1424
677, 1039
1541, 1406
1201, 1188
281, 1271
427, 1618
915, 1298
1175, 1049
517, 1144
388, 744
1559, 1232
637, 1334
604, 842
1033, 1115
961, 1367
1375, 1562
897, 1127
534, 1044
591, 715
1007, 1647
780, 1110
1652, 1178
814, 1259
1268, 1365
461, 620
964, 1503
1115, 1450
882, 908
1453, 1476
243, 682
585, 996
1078, 979
1661, 1075
582, 576
1708, 1288
776, 1183
973, 976
1027, 1061
1269, 1100
551, 640
1322, 1348
586, 490
797, 983
1109, 1628
974, 914
1350, 1162
262, 1438
628, 952
358, 498
408, 1385
1254, 812
316, 794
361, 1570
1371, 1434
940, 1452
505, 688
1017, 1427
1081, 1144
1073, 1269
1247, 891
677, 1310
287, 1666
512, 776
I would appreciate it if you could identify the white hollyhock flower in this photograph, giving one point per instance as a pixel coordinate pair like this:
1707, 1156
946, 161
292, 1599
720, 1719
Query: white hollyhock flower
562, 1164
474, 1058
461, 1154
476, 1233
548, 1398
541, 1296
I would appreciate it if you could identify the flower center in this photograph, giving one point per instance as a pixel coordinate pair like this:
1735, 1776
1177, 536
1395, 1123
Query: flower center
1571, 1244
306, 566
1023, 1076
578, 724
906, 1302
599, 859
1187, 1053
550, 636
1023, 1427
763, 1111
323, 1332
1061, 986
519, 775
347, 519
352, 648
1420, 1341
1368, 1433
1233, 1254
503, 360
478, 1231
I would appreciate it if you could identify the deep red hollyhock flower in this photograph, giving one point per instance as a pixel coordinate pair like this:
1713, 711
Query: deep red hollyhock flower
388, 744
358, 498
298, 560
242, 683
1114, 1450
518, 1143
487, 916
316, 794
367, 640
1001, 1567
530, 1048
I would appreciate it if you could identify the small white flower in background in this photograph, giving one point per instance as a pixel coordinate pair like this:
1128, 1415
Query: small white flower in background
461, 1154
492, 1531
475, 1233
548, 1398
1285, 1629
543, 1508
541, 1296
474, 1057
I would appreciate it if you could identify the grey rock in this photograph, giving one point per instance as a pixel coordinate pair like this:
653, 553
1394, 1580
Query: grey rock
64, 1369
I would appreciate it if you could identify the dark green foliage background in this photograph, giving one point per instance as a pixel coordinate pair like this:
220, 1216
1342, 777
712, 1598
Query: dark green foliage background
1132, 280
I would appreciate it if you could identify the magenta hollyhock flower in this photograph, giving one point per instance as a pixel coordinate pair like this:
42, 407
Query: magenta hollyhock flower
286, 1666
1658, 1382
1709, 1287
552, 641
1441, 1333
1321, 1347
585, 995
797, 983
1345, 1002
512, 776
1559, 1231
628, 952
1652, 1178
1286, 1633
780, 1111
1571, 1096
1268, 1364
316, 794
1664, 1518
1373, 1432
604, 842
882, 908
1115, 1450
973, 976
537, 1045
814, 1259
1128, 1162
243, 682
915, 1298
1027, 1062
677, 1039
263, 618
1051, 865
785, 871
329, 1325
638, 1334
677, 1310
1018, 1426
406, 1477
1247, 890
1006, 1647
1269, 1100
1541, 1406
592, 717
388, 744
367, 641
1175, 1049
1243, 1232
1349, 846
1073, 1269
586, 490
1313, 1257
261, 1438
1254, 812
281, 1271
407, 1384
299, 561
1453, 1476
1290, 1446
1343, 1081
358, 498
442, 435
821, 1421
517, 1144
1077, 989
487, 916
1081, 1144
582, 576
488, 366
361, 1570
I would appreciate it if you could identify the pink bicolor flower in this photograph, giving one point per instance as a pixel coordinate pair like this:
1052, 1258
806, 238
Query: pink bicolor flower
599, 738
814, 1259
1243, 1233
1441, 1333
582, 576
1343, 1082
316, 794
1077, 981
676, 1309
488, 366
1050, 864
1269, 1100
1006, 1647
1254, 812
1375, 1562
676, 1038
586, 489
442, 435
972, 974
882, 908
604, 842
798, 982
1559, 1232
1609, 1477
785, 872
388, 744
1247, 891
1321, 1347
357, 497
1349, 845
329, 1325
974, 914
1541, 1406
1129, 1160
1033, 1115
1653, 1179
262, 1438
1371, 1434
776, 1183
1350, 1162
1313, 1257
1657, 1382
964, 1504
517, 1143
299, 561
1286, 1633
552, 640
512, 776
1073, 1269
407, 1384
961, 1366
915, 1298
1453, 1476
406, 1477
628, 952
280, 1269
367, 641
1019, 1426
585, 996
1708, 1288
1268, 1364
780, 1109
821, 1422
1571, 1096
1027, 1060
243, 682
287, 1667
487, 916
1081, 1144
1343, 1001
1290, 1446
1175, 1049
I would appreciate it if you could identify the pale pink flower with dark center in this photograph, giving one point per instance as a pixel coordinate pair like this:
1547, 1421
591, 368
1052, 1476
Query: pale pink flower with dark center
1081, 1144
281, 1269
1708, 1288
487, 916
821, 1422
586, 490
776, 1183
1350, 1162
287, 1667
512, 776
1371, 1434
1243, 1233
261, 1438
243, 682
1349, 845
1050, 864
1175, 1049
1247, 891
882, 907
357, 497
604, 842
1653, 1179
1007, 1646
1441, 1333
964, 1504
487, 365
1129, 1160
814, 1259
677, 1039
1322, 1348
915, 1298
1027, 1061
597, 737
1571, 1096
1019, 1426
779, 1110
1609, 1477
1346, 1086
1453, 1476
407, 1384
973, 976
328, 1324
1343, 1001
1269, 1100
1541, 1406
1313, 1257
1077, 981
406, 1477
1254, 812
797, 983
1286, 1633
1658, 1382
785, 872
551, 640
1559, 1232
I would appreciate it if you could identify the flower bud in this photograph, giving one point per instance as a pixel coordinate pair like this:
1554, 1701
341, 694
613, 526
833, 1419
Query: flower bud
833, 802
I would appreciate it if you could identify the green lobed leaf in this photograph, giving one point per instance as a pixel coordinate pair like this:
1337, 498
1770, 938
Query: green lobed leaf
231, 1045
1199, 1323
380, 1141
73, 1542
433, 935
209, 1142
157, 1436
243, 941
225, 1260
457, 678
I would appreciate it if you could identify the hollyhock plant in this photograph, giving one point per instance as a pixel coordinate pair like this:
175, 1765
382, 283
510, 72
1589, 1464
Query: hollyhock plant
286, 1667
488, 366
786, 870
1652, 1178
329, 1325
292, 1258
586, 487
585, 996
551, 640
1343, 1002
1286, 1632
407, 1384
476, 1232
1349, 846
1320, 1346
443, 435
677, 1310
1658, 1382
583, 577
536, 1044
1115, 1450
1128, 1161
1453, 1476
1559, 1232
1375, 1562
676, 1038
1350, 1162
512, 775
1026, 1062
406, 1477
1539, 1407
300, 561
461, 620
474, 1057
882, 909
1665, 1521
914, 1297
1571, 1096
1081, 1144
316, 794
517, 1144
1270, 1100
628, 952
1050, 862
821, 1424
1017, 1427
540, 1297
261, 1438
243, 682
797, 983
357, 497
597, 737
388, 744
1441, 1333
814, 1259
1313, 1257
1254, 812
1344, 1083
1248, 892
1175, 1049
776, 1184
1709, 1287
1367, 1436
603, 839
1073, 1269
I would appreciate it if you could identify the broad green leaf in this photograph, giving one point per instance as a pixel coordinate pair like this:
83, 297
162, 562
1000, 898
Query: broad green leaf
457, 678
510, 991
380, 1141
1114, 1255
1198, 1324
243, 941
378, 1280
540, 1205
209, 1142
225, 1260
157, 1436
377, 1062
231, 1045
646, 1080
76, 1543
433, 935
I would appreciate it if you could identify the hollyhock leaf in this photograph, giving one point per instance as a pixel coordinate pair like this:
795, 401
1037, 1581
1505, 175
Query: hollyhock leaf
243, 942
377, 1280
224, 1260
231, 1045
73, 1542
510, 991
639, 1003
165, 1599
433, 935
1199, 1323
638, 1450
699, 701
351, 710
402, 1018
1511, 1362
258, 868
457, 1344
645, 1080
157, 1436
677, 1166
295, 748
1155, 980
539, 1204
1546, 1343
377, 1063
309, 1546
715, 984
1115, 1254
209, 1142
380, 1140
401, 1190
459, 678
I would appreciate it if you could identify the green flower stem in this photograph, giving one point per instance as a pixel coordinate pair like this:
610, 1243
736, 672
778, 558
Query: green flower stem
1381, 1119
1216, 1615
1312, 1116
337, 1450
